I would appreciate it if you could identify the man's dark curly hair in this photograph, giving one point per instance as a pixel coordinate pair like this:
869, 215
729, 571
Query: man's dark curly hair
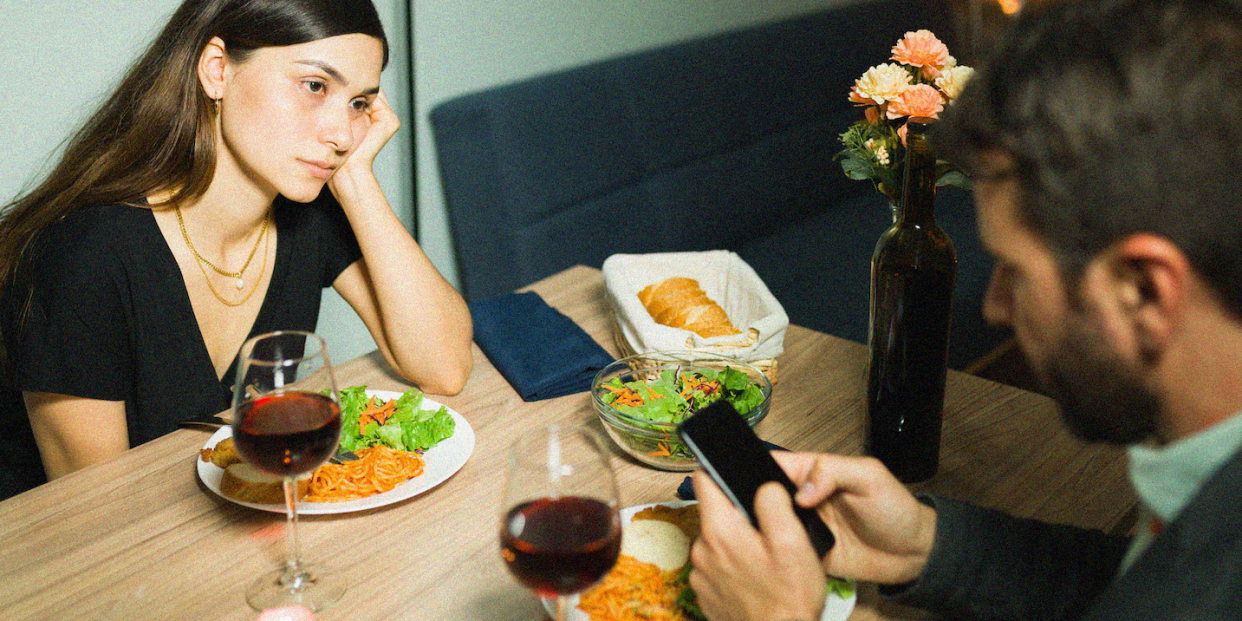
1120, 116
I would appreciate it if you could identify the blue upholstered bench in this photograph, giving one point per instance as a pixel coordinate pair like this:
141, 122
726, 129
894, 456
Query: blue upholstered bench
720, 142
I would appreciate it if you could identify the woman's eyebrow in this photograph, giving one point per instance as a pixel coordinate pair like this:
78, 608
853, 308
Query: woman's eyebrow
334, 74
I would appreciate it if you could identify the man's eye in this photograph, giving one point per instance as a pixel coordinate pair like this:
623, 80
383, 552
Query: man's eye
360, 105
315, 86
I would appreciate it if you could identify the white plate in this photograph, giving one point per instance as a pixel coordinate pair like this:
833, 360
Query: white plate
441, 461
835, 608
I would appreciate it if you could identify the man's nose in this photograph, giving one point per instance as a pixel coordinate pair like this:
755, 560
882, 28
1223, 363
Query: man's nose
998, 299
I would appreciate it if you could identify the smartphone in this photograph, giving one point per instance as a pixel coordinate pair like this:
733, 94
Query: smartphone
739, 462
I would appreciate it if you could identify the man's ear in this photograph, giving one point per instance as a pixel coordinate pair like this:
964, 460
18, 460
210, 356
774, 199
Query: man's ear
1144, 278
212, 68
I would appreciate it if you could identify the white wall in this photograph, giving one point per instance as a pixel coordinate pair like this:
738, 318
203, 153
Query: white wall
62, 56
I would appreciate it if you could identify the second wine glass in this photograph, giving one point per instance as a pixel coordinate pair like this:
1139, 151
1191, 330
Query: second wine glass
286, 422
560, 529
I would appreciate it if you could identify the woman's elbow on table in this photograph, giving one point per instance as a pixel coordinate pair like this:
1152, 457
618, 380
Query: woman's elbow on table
444, 374
448, 379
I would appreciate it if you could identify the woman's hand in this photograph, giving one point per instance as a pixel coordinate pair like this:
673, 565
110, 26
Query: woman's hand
381, 124
420, 323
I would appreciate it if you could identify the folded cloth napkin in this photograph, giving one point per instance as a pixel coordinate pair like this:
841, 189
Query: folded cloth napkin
685, 491
541, 352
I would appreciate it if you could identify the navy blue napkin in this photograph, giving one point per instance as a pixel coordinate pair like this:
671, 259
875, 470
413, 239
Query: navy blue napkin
685, 491
541, 352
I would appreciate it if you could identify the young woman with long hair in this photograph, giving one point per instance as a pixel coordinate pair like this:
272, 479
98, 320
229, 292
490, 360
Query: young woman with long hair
191, 212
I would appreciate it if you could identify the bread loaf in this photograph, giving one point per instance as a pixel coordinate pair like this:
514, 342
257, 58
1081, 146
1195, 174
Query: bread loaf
244, 482
679, 302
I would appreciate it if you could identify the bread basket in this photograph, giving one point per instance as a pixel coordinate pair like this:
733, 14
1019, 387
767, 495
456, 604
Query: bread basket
726, 279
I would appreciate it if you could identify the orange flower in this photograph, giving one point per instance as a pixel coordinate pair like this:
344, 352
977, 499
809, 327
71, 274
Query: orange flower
918, 100
922, 49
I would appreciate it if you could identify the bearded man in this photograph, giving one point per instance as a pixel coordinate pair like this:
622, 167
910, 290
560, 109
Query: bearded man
1105, 144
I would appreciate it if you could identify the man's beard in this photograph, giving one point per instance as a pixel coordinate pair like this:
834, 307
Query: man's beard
1100, 398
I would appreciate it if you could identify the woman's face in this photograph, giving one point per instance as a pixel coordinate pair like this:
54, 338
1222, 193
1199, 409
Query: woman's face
289, 116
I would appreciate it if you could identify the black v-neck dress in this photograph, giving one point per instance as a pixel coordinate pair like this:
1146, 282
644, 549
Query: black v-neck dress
109, 318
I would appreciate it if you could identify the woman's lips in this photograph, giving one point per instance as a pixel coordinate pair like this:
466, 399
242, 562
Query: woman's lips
319, 170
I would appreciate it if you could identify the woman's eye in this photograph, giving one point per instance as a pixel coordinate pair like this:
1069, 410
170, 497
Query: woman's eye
315, 86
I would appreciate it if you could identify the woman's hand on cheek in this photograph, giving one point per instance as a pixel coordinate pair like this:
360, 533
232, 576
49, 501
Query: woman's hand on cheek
741, 574
381, 123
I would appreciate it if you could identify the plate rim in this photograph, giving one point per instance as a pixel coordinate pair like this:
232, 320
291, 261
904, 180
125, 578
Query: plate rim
843, 608
463, 435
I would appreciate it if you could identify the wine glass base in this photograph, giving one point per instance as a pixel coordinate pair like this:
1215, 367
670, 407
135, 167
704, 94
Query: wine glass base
309, 586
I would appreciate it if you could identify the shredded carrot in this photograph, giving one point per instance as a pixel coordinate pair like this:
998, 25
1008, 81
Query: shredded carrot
377, 470
634, 591
662, 451
628, 397
379, 414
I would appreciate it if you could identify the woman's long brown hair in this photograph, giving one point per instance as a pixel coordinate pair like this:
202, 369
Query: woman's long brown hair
156, 133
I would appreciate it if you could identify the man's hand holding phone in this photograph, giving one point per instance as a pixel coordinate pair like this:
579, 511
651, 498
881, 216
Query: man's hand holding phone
741, 573
768, 569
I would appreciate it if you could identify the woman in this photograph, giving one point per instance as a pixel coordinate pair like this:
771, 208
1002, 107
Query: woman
189, 213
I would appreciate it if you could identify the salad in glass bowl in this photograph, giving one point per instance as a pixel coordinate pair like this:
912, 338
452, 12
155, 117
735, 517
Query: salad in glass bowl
640, 400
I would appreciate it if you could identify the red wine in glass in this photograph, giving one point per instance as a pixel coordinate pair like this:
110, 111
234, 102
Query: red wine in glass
560, 546
287, 433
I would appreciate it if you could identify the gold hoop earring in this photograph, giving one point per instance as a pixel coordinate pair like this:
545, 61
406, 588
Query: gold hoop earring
216, 102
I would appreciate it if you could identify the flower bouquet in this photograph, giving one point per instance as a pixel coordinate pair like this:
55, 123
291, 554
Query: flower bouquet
921, 81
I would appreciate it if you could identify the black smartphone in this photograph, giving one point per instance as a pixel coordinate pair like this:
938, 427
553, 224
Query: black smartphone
739, 462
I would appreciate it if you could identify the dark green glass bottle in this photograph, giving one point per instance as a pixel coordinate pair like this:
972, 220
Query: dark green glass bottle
912, 275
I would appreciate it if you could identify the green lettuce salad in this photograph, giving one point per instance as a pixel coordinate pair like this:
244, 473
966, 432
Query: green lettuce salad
673, 395
405, 428
688, 600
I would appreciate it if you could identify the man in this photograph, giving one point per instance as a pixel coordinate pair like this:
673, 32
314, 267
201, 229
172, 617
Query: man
1105, 140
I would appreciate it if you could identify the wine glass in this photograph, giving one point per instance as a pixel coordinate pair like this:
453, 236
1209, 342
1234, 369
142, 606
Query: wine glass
560, 531
287, 421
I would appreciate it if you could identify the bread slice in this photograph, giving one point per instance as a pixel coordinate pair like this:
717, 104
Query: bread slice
679, 302
668, 285
244, 482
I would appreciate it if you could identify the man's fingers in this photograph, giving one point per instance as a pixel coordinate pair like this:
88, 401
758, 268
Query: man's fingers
777, 521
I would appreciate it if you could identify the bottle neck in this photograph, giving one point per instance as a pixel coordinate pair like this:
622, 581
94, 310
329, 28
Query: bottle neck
918, 195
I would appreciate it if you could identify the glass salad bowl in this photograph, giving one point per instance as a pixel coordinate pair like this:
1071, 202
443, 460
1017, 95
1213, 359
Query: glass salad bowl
641, 398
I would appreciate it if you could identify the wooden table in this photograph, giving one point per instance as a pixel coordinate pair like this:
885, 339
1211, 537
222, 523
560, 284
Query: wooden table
139, 537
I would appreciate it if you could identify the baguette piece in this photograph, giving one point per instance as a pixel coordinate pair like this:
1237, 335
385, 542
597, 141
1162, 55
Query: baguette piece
679, 302
244, 482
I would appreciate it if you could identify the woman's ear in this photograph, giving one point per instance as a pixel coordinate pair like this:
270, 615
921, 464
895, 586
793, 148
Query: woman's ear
212, 63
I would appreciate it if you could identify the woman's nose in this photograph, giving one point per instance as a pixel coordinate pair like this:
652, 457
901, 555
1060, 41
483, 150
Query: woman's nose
335, 130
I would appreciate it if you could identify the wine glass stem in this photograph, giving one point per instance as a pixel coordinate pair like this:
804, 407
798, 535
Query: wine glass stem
561, 603
293, 558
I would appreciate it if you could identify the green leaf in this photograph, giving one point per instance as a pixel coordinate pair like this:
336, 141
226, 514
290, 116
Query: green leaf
955, 178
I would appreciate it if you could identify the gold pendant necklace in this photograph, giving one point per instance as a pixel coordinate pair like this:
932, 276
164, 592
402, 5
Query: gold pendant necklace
258, 281
240, 282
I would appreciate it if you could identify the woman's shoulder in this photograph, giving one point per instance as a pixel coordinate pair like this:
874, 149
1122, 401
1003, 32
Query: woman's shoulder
94, 236
103, 224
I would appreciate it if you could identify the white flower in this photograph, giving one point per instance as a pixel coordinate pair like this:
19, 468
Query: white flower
881, 84
881, 156
952, 81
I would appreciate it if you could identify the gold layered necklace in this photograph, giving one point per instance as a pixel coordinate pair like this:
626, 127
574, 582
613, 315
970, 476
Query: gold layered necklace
238, 279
